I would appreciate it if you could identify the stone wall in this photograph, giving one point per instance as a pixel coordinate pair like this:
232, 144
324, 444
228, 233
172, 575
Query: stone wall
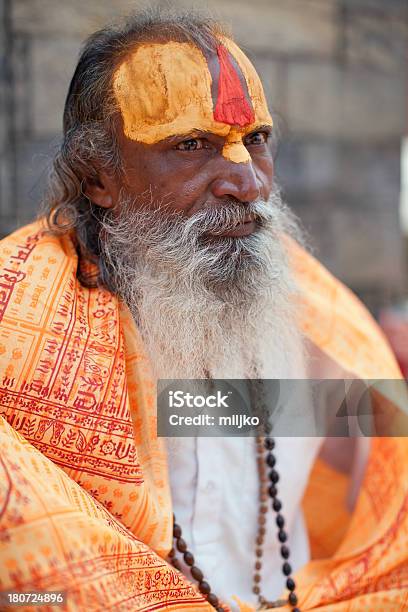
334, 72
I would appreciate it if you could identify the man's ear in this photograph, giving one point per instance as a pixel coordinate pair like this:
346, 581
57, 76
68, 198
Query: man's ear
101, 190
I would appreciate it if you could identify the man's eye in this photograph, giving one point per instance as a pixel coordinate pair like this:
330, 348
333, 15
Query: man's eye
258, 138
192, 144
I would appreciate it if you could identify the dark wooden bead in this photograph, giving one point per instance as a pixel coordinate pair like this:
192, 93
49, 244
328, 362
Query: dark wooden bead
282, 536
196, 573
176, 563
290, 584
274, 476
257, 578
295, 609
172, 553
285, 552
258, 565
280, 521
293, 599
270, 460
287, 569
259, 552
269, 443
204, 587
213, 600
259, 540
273, 491
277, 505
181, 545
256, 590
176, 531
188, 558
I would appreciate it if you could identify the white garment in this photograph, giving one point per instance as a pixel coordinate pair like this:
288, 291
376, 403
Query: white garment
215, 489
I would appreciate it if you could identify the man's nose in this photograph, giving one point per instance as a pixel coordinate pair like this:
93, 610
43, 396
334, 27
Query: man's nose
238, 181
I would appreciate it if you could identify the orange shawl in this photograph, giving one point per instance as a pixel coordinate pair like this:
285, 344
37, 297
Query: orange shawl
84, 493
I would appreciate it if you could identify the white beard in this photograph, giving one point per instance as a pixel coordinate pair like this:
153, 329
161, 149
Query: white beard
218, 310
222, 308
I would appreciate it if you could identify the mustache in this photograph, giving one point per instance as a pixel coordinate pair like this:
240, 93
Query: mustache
216, 220
157, 223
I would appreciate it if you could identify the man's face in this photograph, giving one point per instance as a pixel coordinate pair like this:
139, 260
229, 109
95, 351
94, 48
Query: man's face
193, 129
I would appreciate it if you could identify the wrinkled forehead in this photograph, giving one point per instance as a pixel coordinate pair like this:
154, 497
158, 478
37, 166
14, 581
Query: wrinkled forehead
172, 88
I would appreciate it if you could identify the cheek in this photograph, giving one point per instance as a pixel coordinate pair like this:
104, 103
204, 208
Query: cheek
182, 186
192, 193
264, 169
178, 190
137, 176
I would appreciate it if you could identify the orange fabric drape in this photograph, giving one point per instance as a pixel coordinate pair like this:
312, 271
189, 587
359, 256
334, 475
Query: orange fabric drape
84, 493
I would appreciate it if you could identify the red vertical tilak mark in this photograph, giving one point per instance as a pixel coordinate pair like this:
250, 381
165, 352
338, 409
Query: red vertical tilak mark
232, 105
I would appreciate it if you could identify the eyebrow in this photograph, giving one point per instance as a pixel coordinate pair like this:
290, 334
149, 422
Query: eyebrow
258, 128
194, 133
197, 133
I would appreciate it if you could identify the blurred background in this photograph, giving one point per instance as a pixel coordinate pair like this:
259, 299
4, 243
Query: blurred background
335, 73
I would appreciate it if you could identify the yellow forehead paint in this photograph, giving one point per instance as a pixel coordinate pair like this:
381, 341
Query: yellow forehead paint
164, 89
234, 149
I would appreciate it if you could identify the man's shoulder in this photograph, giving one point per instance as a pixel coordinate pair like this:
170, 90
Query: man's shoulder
335, 320
36, 236
36, 268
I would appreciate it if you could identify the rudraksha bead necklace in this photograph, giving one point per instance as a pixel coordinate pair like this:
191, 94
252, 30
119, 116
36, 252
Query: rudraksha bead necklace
267, 444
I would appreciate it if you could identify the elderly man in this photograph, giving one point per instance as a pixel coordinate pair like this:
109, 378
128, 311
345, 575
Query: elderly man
168, 253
